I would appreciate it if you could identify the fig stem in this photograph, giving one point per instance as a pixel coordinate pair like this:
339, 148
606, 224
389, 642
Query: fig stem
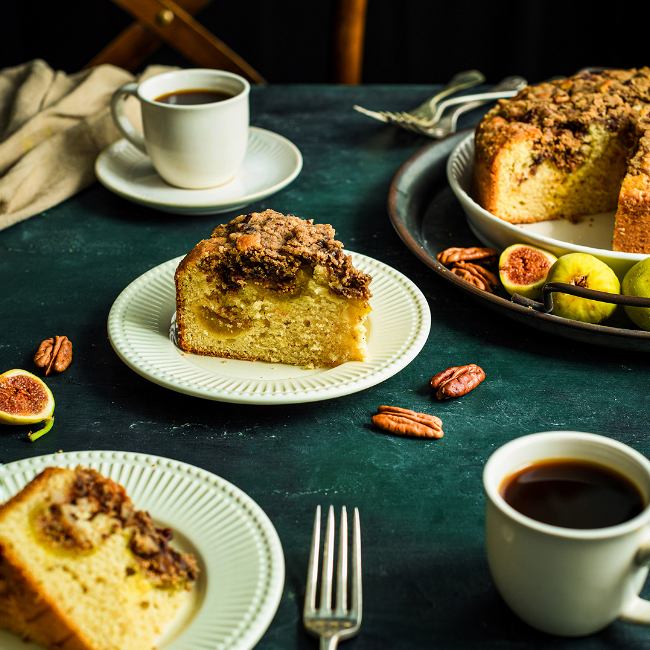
41, 432
575, 290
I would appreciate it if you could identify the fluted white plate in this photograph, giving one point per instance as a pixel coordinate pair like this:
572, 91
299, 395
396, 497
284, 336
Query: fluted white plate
140, 330
271, 163
237, 547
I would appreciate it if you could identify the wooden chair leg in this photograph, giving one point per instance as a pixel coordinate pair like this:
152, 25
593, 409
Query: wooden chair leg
349, 32
129, 49
168, 21
136, 43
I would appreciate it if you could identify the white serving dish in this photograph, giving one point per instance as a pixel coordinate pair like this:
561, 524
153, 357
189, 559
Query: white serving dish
592, 235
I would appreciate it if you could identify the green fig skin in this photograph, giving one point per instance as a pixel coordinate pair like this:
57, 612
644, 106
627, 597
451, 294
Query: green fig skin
637, 283
523, 269
26, 399
587, 271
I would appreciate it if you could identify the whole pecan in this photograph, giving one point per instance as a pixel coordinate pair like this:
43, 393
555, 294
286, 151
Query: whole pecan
457, 381
476, 275
55, 353
476, 254
408, 423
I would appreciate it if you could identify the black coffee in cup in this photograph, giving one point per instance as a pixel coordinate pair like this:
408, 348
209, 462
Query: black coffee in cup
194, 96
573, 494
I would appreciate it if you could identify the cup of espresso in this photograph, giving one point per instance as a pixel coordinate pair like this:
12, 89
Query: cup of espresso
568, 530
195, 124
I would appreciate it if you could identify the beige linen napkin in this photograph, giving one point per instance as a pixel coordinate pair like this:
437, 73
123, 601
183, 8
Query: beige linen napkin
52, 128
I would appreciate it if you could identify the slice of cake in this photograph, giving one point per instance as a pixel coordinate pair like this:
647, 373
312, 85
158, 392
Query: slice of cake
81, 569
569, 148
270, 287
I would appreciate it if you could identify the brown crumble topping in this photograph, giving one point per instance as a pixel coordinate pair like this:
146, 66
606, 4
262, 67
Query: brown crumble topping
558, 114
270, 249
94, 508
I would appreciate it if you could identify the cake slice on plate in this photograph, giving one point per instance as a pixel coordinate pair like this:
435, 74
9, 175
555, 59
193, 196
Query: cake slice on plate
81, 569
270, 287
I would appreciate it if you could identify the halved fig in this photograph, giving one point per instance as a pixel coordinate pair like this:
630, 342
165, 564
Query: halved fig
25, 399
523, 269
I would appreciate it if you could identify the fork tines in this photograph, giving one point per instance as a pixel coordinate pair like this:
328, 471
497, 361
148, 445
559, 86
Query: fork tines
338, 622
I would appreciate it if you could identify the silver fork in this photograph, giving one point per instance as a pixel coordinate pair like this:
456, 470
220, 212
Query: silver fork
447, 123
424, 111
439, 126
333, 625
508, 87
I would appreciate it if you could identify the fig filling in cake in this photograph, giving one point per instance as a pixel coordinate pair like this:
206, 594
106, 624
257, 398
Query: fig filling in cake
570, 148
81, 569
270, 287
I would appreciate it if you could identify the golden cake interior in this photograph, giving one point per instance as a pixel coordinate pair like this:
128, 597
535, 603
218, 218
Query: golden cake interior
570, 148
80, 569
273, 288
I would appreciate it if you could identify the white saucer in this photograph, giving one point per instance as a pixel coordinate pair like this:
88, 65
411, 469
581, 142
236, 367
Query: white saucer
271, 163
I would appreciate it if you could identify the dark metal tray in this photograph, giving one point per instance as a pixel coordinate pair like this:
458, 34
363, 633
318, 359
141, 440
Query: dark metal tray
429, 219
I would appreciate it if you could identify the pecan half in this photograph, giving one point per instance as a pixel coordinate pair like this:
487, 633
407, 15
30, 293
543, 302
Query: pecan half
483, 255
476, 275
457, 381
55, 353
246, 242
408, 423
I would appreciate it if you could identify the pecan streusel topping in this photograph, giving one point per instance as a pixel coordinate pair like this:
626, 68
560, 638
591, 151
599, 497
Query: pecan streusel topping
96, 507
558, 113
271, 249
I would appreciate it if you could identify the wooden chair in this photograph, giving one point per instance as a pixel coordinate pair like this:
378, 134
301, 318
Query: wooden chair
349, 32
171, 21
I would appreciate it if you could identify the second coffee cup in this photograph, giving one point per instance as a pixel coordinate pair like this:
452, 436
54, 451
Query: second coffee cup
195, 123
570, 581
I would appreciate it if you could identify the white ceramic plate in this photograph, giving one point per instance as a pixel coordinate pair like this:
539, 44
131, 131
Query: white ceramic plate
592, 235
237, 548
139, 330
271, 163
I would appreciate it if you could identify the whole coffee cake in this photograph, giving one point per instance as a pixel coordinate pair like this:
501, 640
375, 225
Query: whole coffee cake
569, 148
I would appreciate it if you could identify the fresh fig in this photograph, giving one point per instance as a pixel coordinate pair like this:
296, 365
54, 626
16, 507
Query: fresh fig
586, 271
523, 269
25, 399
637, 283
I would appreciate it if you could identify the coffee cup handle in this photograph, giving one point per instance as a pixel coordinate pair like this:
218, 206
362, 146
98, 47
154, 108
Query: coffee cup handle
637, 611
120, 118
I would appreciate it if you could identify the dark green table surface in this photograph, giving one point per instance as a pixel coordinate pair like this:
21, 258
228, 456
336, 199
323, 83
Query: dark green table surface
426, 580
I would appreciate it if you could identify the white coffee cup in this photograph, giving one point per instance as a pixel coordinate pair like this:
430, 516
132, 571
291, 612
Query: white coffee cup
191, 146
566, 581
